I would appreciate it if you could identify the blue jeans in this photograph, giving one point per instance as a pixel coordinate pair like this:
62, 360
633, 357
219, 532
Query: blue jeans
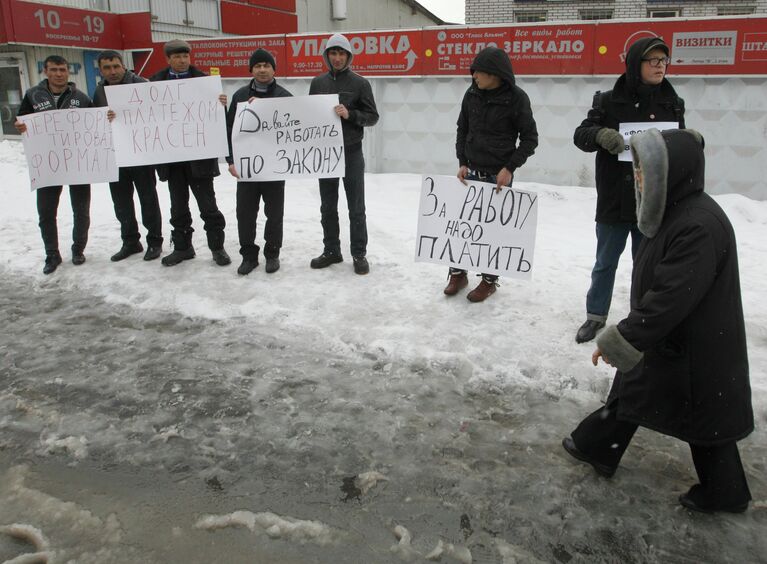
354, 185
611, 240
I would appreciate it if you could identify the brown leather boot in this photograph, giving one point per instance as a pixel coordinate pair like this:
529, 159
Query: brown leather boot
456, 282
484, 290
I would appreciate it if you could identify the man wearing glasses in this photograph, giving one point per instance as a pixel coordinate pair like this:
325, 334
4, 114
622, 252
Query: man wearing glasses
640, 95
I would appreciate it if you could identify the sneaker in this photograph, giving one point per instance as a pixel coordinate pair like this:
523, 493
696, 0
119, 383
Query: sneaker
361, 265
456, 282
484, 290
221, 257
152, 253
78, 259
51, 263
272, 265
325, 260
177, 256
247, 266
126, 251
588, 330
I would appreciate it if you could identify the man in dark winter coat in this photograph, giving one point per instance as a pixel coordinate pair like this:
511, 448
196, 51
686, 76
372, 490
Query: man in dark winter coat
681, 352
57, 93
114, 72
263, 85
642, 94
196, 176
495, 114
357, 109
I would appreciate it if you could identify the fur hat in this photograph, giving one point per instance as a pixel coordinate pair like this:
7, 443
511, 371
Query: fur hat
261, 56
176, 46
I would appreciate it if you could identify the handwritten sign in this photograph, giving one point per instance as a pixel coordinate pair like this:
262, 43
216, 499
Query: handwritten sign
298, 137
630, 129
69, 147
168, 121
474, 228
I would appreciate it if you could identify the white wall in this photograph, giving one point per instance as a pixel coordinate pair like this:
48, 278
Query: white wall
416, 132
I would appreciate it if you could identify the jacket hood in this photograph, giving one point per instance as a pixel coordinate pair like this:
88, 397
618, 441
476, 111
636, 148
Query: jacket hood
495, 61
672, 165
634, 59
338, 40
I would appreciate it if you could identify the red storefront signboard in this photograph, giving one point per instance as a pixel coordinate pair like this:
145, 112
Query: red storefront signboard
698, 47
382, 53
533, 49
728, 46
45, 24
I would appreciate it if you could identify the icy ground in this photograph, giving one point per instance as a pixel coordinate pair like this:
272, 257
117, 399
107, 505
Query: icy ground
160, 415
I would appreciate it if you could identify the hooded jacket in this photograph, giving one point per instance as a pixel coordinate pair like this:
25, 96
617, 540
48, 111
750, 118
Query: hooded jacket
244, 94
681, 352
100, 96
353, 91
202, 168
629, 101
39, 99
492, 121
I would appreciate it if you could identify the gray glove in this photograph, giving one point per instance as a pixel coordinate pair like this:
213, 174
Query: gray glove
611, 140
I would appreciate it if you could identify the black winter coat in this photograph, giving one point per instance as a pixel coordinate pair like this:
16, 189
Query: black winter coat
491, 121
355, 93
686, 316
203, 168
243, 95
39, 99
100, 96
626, 102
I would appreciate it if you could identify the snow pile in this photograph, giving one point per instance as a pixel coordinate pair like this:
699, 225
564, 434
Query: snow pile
274, 526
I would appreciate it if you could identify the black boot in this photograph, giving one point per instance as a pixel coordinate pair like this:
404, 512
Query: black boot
588, 330
178, 255
272, 265
52, 262
361, 265
325, 260
247, 266
127, 250
152, 253
221, 257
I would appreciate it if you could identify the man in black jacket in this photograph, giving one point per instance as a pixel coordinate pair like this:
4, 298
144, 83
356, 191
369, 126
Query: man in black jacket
57, 93
641, 94
196, 176
357, 109
263, 85
680, 354
495, 114
114, 72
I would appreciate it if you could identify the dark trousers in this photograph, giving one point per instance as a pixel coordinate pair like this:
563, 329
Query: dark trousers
354, 185
180, 182
473, 175
249, 195
47, 210
604, 438
143, 178
611, 240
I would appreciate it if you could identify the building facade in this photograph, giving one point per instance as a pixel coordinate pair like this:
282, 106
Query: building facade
79, 29
524, 11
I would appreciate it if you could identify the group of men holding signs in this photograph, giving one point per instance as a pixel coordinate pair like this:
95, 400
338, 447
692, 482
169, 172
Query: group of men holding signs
681, 351
175, 124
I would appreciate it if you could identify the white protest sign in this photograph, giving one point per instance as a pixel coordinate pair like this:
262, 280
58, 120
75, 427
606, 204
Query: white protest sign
297, 137
474, 228
629, 129
168, 121
69, 147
